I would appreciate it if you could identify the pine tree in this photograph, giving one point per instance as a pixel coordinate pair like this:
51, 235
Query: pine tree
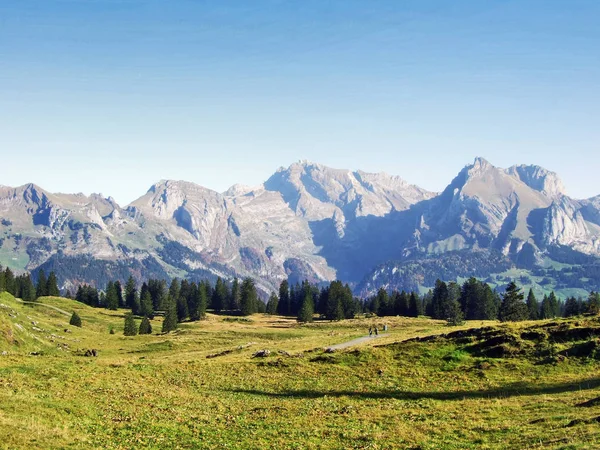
145, 326
335, 309
415, 308
27, 290
513, 307
130, 293
202, 301
75, 320
119, 291
455, 314
554, 304
234, 302
546, 309
440, 300
182, 308
272, 304
307, 309
52, 286
112, 300
593, 303
249, 297
219, 297
146, 308
170, 320
283, 307
572, 307
9, 280
381, 305
2, 280
42, 285
533, 306
129, 329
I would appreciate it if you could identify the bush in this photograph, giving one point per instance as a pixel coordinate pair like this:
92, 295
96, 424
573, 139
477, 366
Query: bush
75, 320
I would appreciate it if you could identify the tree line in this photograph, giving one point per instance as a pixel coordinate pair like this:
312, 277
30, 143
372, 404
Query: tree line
476, 300
22, 286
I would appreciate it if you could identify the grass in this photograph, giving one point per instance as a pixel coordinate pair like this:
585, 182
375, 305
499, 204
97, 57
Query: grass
161, 391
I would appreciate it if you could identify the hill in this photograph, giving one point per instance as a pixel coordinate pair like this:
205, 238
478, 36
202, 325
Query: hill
484, 385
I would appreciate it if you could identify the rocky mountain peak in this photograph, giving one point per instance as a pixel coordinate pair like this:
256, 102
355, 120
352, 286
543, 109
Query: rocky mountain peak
538, 178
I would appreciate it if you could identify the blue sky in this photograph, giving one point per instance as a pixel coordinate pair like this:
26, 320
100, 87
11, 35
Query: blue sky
111, 96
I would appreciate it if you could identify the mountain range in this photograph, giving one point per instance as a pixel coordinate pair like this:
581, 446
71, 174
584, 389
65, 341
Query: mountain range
309, 221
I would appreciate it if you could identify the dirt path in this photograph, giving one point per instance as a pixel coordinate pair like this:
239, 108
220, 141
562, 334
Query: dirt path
62, 311
354, 342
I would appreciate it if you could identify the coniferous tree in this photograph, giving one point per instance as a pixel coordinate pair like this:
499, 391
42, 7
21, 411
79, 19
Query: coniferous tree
2, 279
455, 314
249, 297
130, 293
182, 308
440, 301
119, 291
27, 290
572, 307
593, 303
415, 308
513, 306
112, 300
305, 314
335, 310
272, 304
284, 307
137, 303
145, 326
546, 309
42, 285
202, 301
554, 304
380, 305
170, 320
52, 286
130, 328
234, 302
75, 320
9, 280
68, 294
533, 307
219, 297
146, 308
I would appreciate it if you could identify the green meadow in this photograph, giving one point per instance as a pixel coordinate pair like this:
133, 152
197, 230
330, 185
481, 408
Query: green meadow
424, 385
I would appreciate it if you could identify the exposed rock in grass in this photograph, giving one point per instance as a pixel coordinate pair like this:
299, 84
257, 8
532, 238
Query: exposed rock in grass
261, 353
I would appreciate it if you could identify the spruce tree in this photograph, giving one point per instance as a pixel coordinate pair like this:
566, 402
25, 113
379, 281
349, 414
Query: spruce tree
52, 286
146, 305
112, 300
272, 304
307, 309
130, 293
533, 307
9, 280
593, 303
202, 301
554, 304
234, 302
335, 309
42, 285
2, 280
249, 297
145, 326
182, 308
129, 329
119, 291
170, 320
219, 297
546, 309
572, 307
27, 289
75, 320
415, 308
513, 307
284, 299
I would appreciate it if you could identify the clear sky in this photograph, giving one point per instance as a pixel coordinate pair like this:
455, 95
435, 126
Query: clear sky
111, 96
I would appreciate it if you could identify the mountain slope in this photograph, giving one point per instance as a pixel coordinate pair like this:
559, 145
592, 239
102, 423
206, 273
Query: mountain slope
306, 221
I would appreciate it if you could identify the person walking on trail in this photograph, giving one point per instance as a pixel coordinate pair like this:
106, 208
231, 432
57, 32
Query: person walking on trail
376, 331
370, 331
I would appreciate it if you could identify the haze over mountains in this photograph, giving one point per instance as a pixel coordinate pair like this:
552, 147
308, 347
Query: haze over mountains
312, 221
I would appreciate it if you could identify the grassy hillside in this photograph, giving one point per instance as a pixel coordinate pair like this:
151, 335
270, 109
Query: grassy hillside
515, 386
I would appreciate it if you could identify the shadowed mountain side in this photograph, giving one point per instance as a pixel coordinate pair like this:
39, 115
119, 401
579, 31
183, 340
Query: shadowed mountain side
511, 390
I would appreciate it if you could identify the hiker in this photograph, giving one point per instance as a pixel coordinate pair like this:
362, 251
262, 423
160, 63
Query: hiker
385, 327
370, 331
376, 331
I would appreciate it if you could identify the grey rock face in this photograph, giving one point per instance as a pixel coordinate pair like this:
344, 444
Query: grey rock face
306, 221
